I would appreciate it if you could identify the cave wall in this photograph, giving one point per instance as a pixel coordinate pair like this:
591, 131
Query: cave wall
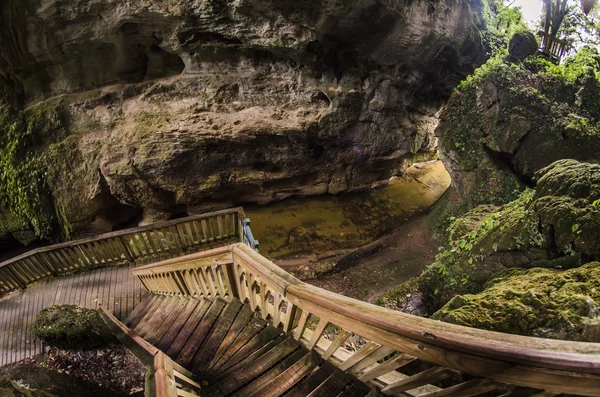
175, 107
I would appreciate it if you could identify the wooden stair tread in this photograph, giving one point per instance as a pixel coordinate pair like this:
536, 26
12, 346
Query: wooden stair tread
242, 376
290, 377
157, 334
157, 318
173, 330
333, 385
240, 323
134, 319
188, 328
218, 333
185, 358
141, 307
314, 380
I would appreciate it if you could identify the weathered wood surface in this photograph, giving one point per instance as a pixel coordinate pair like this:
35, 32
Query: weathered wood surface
390, 339
137, 245
115, 287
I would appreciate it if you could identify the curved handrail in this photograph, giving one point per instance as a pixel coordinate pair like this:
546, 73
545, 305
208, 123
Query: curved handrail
552, 365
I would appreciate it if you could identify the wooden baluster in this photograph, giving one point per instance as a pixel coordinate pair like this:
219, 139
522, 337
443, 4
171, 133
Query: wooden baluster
209, 281
317, 333
200, 278
299, 331
337, 341
232, 280
219, 280
428, 376
277, 299
264, 308
252, 292
379, 354
386, 367
366, 350
290, 314
207, 233
468, 389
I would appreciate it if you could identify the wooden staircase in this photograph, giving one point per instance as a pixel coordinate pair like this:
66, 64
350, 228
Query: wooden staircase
232, 351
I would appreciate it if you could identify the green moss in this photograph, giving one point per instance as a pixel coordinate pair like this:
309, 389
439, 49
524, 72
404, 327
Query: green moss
72, 327
537, 302
29, 153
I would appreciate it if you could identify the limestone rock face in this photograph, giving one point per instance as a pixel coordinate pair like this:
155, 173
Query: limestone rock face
512, 119
179, 106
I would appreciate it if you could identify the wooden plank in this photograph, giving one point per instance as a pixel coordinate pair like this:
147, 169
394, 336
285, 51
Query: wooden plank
271, 374
240, 322
290, 377
156, 320
200, 334
388, 366
237, 379
167, 339
137, 312
332, 386
428, 376
364, 352
220, 330
254, 347
184, 335
155, 336
466, 389
313, 381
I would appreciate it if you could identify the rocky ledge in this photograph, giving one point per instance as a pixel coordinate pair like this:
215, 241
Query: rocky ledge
174, 107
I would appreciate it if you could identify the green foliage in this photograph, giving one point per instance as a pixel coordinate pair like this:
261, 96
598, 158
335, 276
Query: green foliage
24, 190
502, 23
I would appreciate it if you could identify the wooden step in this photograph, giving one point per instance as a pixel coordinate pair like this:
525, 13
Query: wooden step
173, 330
188, 328
135, 317
157, 318
185, 358
241, 322
218, 333
255, 368
169, 322
312, 381
250, 331
290, 377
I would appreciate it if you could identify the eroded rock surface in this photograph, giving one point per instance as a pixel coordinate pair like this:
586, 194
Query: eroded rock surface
555, 226
174, 107
510, 120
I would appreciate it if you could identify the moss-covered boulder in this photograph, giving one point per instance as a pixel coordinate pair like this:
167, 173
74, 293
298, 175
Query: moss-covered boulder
510, 119
24, 380
72, 327
537, 302
557, 225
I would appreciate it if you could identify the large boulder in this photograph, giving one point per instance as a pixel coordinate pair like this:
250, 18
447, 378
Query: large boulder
177, 107
537, 302
72, 327
557, 225
510, 120
522, 45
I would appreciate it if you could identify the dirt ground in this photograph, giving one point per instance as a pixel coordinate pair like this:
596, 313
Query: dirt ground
375, 268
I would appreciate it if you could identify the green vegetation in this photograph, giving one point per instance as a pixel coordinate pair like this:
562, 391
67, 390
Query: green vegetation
72, 327
24, 169
502, 23
537, 302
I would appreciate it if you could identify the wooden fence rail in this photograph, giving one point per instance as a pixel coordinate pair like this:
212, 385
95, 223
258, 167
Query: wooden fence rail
552, 47
139, 245
376, 344
164, 377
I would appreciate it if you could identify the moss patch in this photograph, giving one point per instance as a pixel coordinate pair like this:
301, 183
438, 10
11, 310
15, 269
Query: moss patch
72, 327
537, 302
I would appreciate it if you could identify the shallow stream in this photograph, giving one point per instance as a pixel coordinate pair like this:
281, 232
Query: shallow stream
314, 225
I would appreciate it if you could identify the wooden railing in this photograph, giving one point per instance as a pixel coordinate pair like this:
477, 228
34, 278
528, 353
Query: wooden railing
552, 47
164, 378
376, 344
139, 245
